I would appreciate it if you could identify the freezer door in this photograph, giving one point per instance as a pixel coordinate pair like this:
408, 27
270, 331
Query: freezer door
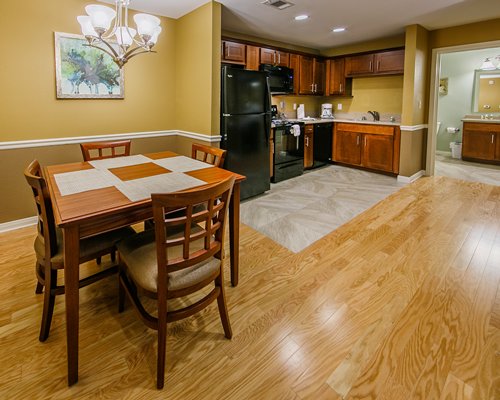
246, 139
244, 92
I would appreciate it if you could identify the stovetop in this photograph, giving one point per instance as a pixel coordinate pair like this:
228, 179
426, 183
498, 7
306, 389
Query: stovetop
284, 122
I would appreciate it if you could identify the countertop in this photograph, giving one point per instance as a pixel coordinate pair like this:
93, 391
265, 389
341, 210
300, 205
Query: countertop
353, 121
482, 121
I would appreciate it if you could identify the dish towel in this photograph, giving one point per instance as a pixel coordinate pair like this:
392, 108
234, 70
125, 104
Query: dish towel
295, 130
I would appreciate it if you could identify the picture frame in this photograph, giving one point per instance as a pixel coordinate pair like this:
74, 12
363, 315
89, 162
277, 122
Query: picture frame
443, 86
84, 72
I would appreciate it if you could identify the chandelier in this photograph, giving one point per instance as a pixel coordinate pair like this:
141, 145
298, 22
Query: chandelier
121, 42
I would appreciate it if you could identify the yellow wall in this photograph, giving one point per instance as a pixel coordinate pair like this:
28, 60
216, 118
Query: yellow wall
195, 71
371, 45
478, 32
28, 105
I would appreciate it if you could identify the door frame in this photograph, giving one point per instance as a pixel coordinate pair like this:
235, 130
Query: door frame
434, 95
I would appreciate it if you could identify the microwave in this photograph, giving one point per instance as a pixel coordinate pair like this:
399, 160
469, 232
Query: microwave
280, 78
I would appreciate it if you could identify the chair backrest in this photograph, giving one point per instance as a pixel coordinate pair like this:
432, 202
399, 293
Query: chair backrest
201, 231
211, 155
101, 150
46, 225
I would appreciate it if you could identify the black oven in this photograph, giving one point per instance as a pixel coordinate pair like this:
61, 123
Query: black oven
288, 154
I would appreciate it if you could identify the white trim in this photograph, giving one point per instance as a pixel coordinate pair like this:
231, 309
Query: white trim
413, 127
17, 224
443, 153
410, 179
25, 144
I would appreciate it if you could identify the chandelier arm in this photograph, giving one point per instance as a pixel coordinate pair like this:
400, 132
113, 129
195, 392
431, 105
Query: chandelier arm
134, 52
111, 51
113, 54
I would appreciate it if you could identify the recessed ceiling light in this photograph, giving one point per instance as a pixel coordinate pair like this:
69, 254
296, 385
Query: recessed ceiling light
336, 30
301, 17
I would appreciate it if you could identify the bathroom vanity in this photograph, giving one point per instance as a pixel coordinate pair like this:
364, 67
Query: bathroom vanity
481, 140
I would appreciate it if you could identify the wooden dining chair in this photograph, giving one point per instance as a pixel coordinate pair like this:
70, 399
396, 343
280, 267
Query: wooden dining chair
49, 248
186, 256
102, 150
210, 155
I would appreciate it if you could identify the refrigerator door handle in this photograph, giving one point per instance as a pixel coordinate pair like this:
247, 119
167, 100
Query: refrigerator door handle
226, 115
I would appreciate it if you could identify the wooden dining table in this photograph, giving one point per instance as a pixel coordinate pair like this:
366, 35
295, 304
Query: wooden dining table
91, 212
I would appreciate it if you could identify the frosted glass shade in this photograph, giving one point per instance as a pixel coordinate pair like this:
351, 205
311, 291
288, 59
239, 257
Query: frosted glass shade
487, 65
124, 36
86, 25
146, 24
100, 16
154, 37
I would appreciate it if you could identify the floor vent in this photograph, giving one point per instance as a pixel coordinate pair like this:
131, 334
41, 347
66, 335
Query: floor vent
279, 4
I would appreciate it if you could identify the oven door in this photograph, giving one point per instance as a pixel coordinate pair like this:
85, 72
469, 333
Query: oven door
287, 147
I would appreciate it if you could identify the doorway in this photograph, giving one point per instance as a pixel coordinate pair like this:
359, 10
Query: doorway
451, 99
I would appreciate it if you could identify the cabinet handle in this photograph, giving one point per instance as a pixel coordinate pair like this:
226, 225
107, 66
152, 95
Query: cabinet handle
312, 87
492, 138
279, 58
307, 141
365, 141
378, 65
371, 65
340, 90
274, 58
357, 140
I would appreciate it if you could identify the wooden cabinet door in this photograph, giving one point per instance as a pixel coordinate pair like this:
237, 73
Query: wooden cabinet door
359, 65
308, 146
390, 62
267, 56
377, 152
252, 62
336, 77
319, 72
282, 58
497, 146
306, 83
478, 144
347, 147
295, 65
233, 52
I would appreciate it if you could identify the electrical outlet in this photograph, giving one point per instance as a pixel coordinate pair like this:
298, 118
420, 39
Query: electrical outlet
339, 106
294, 106
282, 104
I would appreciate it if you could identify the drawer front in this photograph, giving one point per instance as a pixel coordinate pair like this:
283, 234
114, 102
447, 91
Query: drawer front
482, 127
366, 128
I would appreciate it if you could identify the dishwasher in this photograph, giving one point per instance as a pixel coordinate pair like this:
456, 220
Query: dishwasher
322, 144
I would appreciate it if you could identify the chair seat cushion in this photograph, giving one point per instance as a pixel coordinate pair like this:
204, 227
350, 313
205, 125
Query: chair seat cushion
139, 254
88, 247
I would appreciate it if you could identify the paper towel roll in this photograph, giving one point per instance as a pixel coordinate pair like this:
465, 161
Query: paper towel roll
451, 129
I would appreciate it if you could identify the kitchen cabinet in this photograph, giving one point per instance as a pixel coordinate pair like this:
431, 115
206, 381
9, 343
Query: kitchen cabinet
233, 52
295, 65
308, 146
481, 142
311, 75
275, 57
370, 146
252, 61
380, 63
336, 82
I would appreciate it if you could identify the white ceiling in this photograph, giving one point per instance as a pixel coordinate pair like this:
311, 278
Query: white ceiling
364, 19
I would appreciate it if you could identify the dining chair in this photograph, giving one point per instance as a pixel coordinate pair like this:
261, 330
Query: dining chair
102, 150
208, 154
48, 248
181, 256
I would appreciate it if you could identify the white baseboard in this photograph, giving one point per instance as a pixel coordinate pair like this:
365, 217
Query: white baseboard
443, 153
17, 224
410, 179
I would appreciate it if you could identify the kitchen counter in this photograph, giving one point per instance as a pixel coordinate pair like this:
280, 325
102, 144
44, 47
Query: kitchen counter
353, 121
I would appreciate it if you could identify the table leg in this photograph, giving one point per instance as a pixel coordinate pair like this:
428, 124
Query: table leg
71, 282
234, 233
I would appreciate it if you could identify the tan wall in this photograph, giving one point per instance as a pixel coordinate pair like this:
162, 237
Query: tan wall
478, 32
28, 105
194, 69
372, 45
412, 151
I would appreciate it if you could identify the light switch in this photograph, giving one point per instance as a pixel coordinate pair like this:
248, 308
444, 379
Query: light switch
339, 106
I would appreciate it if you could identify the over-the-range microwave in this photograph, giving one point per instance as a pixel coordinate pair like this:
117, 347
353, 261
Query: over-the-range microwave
280, 78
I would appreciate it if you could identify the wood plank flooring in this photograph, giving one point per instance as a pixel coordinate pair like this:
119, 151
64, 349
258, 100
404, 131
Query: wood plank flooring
402, 302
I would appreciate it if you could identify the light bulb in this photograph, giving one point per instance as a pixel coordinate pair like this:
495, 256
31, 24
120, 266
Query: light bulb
100, 16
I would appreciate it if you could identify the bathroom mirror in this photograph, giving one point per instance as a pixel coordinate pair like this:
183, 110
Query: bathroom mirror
486, 92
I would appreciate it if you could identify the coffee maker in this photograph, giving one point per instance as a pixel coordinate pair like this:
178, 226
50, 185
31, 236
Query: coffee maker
326, 111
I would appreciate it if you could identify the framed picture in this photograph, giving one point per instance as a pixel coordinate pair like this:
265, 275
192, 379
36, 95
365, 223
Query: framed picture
84, 72
443, 86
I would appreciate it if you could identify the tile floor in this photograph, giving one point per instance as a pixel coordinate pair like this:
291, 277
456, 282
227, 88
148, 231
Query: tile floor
297, 212
467, 171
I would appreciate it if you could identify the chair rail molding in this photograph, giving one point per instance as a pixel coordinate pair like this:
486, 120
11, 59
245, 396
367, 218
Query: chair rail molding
24, 144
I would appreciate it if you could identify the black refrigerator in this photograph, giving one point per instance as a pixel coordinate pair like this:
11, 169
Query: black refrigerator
245, 127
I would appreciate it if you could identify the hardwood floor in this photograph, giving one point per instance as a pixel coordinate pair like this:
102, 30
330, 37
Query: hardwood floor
402, 302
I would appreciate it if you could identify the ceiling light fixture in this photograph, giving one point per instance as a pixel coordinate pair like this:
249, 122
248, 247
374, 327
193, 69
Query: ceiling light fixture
301, 17
96, 29
487, 65
337, 30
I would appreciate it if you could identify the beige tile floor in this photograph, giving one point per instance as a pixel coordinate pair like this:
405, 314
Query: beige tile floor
297, 212
467, 171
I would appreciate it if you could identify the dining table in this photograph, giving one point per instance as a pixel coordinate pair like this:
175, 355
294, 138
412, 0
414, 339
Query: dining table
94, 197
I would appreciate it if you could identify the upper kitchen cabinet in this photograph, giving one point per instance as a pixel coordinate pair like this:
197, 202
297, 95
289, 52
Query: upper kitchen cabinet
252, 62
311, 75
275, 57
381, 63
295, 65
234, 53
336, 82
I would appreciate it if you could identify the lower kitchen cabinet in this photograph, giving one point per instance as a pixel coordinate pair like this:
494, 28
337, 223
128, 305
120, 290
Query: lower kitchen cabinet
308, 146
481, 142
371, 146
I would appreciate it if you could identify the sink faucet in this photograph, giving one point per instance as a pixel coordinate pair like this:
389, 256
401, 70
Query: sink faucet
375, 114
